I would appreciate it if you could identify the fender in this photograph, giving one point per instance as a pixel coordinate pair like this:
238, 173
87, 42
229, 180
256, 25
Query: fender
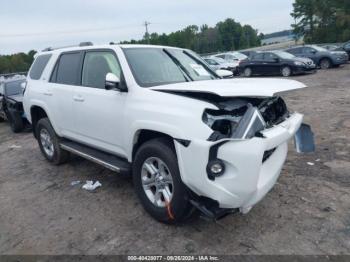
137, 126
38, 103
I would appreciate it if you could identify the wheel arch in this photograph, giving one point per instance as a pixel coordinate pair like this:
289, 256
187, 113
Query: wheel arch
141, 136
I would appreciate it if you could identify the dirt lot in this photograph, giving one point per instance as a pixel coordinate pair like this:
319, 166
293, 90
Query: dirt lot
307, 212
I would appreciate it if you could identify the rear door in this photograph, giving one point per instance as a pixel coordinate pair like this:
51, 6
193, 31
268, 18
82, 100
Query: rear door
272, 64
257, 63
99, 113
64, 79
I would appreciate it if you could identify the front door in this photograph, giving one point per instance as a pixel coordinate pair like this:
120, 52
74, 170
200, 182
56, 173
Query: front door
99, 112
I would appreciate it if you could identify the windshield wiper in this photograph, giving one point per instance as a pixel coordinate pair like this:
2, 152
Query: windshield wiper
183, 69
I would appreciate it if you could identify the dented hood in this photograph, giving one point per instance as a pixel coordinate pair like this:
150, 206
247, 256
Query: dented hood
257, 87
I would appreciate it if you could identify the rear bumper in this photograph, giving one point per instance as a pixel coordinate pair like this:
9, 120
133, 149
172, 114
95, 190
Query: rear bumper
340, 60
247, 178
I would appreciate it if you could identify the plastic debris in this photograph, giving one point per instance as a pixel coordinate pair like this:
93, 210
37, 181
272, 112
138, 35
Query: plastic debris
310, 163
74, 183
318, 160
91, 186
15, 147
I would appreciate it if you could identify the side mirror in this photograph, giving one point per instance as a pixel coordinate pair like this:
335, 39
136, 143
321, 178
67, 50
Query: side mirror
23, 86
277, 60
112, 81
224, 73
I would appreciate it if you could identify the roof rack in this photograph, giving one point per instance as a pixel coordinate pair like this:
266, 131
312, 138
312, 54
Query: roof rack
80, 45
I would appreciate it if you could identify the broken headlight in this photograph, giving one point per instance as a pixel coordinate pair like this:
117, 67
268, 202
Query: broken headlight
242, 123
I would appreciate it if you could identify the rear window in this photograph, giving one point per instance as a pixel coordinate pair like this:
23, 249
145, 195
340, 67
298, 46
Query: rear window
38, 66
68, 69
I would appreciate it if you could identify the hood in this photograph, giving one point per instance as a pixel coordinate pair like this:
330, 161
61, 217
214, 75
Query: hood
242, 87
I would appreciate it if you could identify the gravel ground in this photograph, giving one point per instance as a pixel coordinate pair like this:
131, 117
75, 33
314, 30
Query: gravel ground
307, 212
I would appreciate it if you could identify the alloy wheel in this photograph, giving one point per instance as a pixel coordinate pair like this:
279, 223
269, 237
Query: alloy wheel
157, 181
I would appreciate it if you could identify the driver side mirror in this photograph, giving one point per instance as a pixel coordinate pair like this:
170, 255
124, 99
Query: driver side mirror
113, 83
276, 60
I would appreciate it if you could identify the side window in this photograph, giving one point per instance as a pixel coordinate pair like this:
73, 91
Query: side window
39, 66
97, 64
309, 50
211, 62
295, 51
258, 56
347, 46
2, 89
221, 56
68, 69
270, 57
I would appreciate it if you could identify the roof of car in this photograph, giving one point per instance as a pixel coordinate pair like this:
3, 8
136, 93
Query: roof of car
108, 46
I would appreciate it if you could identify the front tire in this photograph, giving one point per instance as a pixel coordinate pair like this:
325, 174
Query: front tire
49, 143
247, 72
325, 63
16, 122
158, 183
286, 71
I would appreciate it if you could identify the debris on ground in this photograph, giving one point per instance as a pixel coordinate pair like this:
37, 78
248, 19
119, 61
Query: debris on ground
74, 183
329, 209
310, 163
15, 147
91, 186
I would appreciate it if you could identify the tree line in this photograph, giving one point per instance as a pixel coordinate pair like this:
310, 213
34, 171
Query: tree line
16, 63
322, 21
227, 35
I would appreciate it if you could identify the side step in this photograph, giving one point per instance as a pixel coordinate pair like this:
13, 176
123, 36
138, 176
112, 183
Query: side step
107, 160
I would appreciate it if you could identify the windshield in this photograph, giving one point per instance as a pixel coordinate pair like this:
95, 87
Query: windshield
13, 88
284, 55
161, 66
320, 49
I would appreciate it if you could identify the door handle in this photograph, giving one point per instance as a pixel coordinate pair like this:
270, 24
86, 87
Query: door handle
78, 98
47, 93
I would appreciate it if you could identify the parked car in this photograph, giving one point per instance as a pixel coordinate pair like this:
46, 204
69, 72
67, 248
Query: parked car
217, 63
322, 57
276, 63
191, 140
345, 47
11, 108
248, 53
232, 56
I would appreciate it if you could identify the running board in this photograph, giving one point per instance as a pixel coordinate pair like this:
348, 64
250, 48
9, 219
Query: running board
107, 160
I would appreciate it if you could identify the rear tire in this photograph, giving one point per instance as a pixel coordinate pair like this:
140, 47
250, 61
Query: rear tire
325, 63
286, 71
247, 72
158, 183
16, 122
49, 143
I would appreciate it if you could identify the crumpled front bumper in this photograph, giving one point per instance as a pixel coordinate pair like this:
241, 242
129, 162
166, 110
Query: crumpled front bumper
247, 178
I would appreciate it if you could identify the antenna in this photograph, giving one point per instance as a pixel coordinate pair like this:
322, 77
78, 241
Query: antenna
146, 24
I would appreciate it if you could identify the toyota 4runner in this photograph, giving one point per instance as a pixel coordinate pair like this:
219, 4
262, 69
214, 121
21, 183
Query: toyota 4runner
191, 140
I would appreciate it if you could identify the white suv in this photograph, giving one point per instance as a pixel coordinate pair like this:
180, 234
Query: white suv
191, 140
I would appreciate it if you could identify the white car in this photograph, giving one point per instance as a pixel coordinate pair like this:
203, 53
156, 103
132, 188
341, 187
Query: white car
233, 56
217, 63
191, 140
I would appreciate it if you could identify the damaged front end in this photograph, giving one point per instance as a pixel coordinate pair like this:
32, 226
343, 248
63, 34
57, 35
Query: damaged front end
244, 118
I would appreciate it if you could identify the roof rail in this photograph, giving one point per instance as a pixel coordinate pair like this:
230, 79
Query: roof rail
80, 45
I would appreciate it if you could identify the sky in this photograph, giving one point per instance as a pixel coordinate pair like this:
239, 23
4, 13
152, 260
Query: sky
37, 24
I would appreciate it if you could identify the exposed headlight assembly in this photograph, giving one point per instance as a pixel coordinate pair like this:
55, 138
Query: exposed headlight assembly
297, 63
243, 123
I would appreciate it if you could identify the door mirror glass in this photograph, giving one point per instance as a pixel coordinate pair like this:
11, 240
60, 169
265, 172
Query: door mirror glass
276, 59
112, 81
224, 73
